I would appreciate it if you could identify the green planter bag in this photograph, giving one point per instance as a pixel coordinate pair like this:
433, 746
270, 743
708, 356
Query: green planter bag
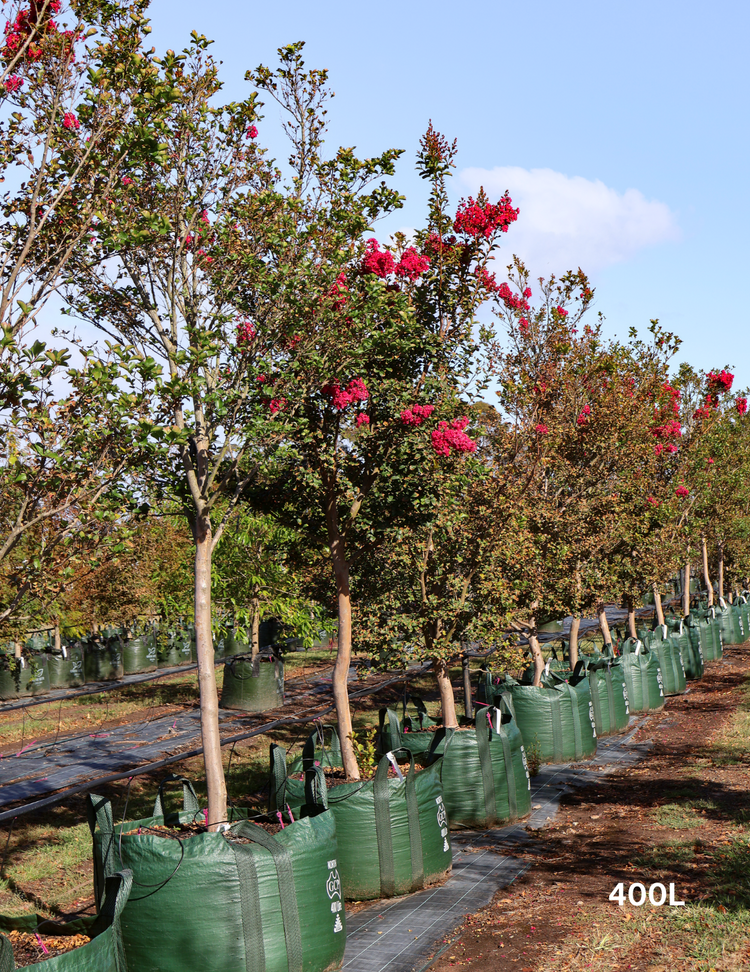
104, 953
174, 650
485, 775
609, 694
409, 732
66, 667
139, 654
253, 684
557, 722
392, 833
731, 624
701, 633
236, 643
642, 676
256, 903
670, 660
690, 649
102, 661
23, 677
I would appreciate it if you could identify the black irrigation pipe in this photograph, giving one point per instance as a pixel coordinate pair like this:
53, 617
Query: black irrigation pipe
168, 760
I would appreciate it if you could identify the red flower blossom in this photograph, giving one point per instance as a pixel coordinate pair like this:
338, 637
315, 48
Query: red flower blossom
652, 501
416, 414
377, 261
541, 429
446, 437
252, 132
475, 220
362, 419
719, 381
245, 334
70, 121
340, 397
511, 300
561, 312
276, 405
523, 325
741, 405
127, 181
682, 491
411, 264
13, 83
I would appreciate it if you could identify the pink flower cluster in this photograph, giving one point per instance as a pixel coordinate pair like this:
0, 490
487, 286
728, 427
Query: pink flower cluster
652, 500
719, 381
411, 265
70, 121
583, 417
452, 436
28, 20
381, 263
473, 219
245, 334
276, 405
514, 301
561, 312
339, 397
670, 430
541, 429
660, 447
487, 280
416, 414
252, 132
674, 397
127, 181
741, 405
13, 83
682, 491
362, 419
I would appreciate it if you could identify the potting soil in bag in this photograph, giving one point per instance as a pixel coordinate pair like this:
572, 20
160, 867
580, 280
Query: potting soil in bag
391, 831
557, 723
609, 693
66, 667
485, 775
253, 684
239, 901
104, 953
642, 676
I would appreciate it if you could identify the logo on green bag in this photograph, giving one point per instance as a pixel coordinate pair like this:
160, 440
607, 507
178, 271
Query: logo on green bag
591, 717
442, 816
333, 885
625, 696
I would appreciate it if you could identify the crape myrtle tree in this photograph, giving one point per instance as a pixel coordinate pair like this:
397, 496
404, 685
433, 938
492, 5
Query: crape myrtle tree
76, 101
382, 337
580, 435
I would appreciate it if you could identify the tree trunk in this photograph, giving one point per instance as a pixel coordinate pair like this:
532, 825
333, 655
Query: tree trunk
343, 659
468, 704
209, 699
447, 699
603, 624
659, 610
706, 575
17, 650
575, 626
538, 658
632, 630
255, 627
58, 642
686, 590
721, 571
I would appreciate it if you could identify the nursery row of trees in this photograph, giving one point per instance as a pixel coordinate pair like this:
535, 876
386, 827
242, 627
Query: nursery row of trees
248, 379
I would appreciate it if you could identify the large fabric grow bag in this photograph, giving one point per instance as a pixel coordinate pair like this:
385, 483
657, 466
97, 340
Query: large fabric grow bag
208, 904
557, 722
485, 775
731, 624
670, 661
104, 953
642, 676
66, 667
690, 649
23, 677
704, 635
102, 661
139, 654
235, 642
609, 694
253, 684
408, 732
392, 833
174, 651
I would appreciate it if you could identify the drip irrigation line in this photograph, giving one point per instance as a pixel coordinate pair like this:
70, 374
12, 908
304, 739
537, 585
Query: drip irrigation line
189, 754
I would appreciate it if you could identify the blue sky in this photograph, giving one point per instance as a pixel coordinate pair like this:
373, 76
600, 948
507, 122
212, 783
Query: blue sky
619, 129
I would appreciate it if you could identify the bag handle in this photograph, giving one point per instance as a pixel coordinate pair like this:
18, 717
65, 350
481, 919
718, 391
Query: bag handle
117, 890
316, 790
7, 962
190, 802
308, 750
395, 733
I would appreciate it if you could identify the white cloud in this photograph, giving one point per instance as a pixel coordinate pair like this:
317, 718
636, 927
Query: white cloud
568, 221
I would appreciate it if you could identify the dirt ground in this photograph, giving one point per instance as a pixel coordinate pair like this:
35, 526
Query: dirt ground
681, 817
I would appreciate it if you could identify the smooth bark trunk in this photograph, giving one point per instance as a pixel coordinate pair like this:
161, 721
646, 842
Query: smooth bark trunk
686, 590
468, 703
538, 658
255, 627
58, 642
632, 630
575, 626
343, 661
447, 698
659, 610
721, 571
209, 699
17, 650
706, 574
604, 624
